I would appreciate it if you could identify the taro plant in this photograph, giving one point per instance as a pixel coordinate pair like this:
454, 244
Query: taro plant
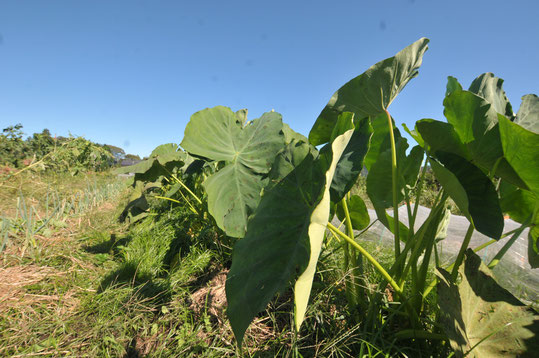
165, 169
243, 152
277, 192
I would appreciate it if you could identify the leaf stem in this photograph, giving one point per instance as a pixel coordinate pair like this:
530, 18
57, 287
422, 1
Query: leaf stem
357, 269
186, 188
368, 256
395, 185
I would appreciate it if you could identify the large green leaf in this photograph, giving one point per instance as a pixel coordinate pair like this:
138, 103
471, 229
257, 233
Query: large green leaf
284, 235
518, 203
320, 215
247, 153
441, 136
372, 92
168, 152
482, 319
528, 113
481, 197
522, 205
290, 134
521, 149
157, 171
470, 115
476, 123
490, 88
351, 162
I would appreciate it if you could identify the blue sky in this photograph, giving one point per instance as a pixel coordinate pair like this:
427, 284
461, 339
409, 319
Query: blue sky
131, 73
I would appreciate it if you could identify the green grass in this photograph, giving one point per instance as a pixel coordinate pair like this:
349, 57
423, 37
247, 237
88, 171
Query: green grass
98, 288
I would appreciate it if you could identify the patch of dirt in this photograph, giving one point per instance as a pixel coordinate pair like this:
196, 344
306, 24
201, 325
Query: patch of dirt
14, 295
211, 298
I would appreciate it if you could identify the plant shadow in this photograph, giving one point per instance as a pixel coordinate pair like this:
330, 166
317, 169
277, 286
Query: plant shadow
108, 246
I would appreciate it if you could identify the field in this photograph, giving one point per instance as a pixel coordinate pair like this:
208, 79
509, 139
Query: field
250, 239
93, 287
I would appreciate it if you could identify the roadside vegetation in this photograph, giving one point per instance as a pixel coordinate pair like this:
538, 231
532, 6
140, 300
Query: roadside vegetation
225, 245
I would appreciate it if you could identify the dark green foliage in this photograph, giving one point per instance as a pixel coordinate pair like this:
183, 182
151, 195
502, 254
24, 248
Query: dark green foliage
13, 149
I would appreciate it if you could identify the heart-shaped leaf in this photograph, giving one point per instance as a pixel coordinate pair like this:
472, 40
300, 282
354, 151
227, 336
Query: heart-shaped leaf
247, 152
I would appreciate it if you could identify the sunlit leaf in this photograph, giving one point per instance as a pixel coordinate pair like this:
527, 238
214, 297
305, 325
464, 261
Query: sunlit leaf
370, 94
284, 235
521, 149
452, 85
528, 113
490, 88
247, 153
482, 319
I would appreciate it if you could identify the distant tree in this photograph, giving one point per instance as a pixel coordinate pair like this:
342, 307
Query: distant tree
13, 149
117, 152
132, 156
41, 143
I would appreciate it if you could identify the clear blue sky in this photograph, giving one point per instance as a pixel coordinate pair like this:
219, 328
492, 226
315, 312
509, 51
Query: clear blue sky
130, 73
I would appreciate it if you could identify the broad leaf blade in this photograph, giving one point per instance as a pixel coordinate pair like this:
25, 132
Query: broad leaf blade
518, 203
380, 186
441, 136
483, 204
276, 242
490, 88
476, 123
212, 133
319, 219
452, 186
284, 234
290, 134
415, 134
372, 92
379, 179
247, 152
528, 113
521, 149
481, 318
351, 162
232, 193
